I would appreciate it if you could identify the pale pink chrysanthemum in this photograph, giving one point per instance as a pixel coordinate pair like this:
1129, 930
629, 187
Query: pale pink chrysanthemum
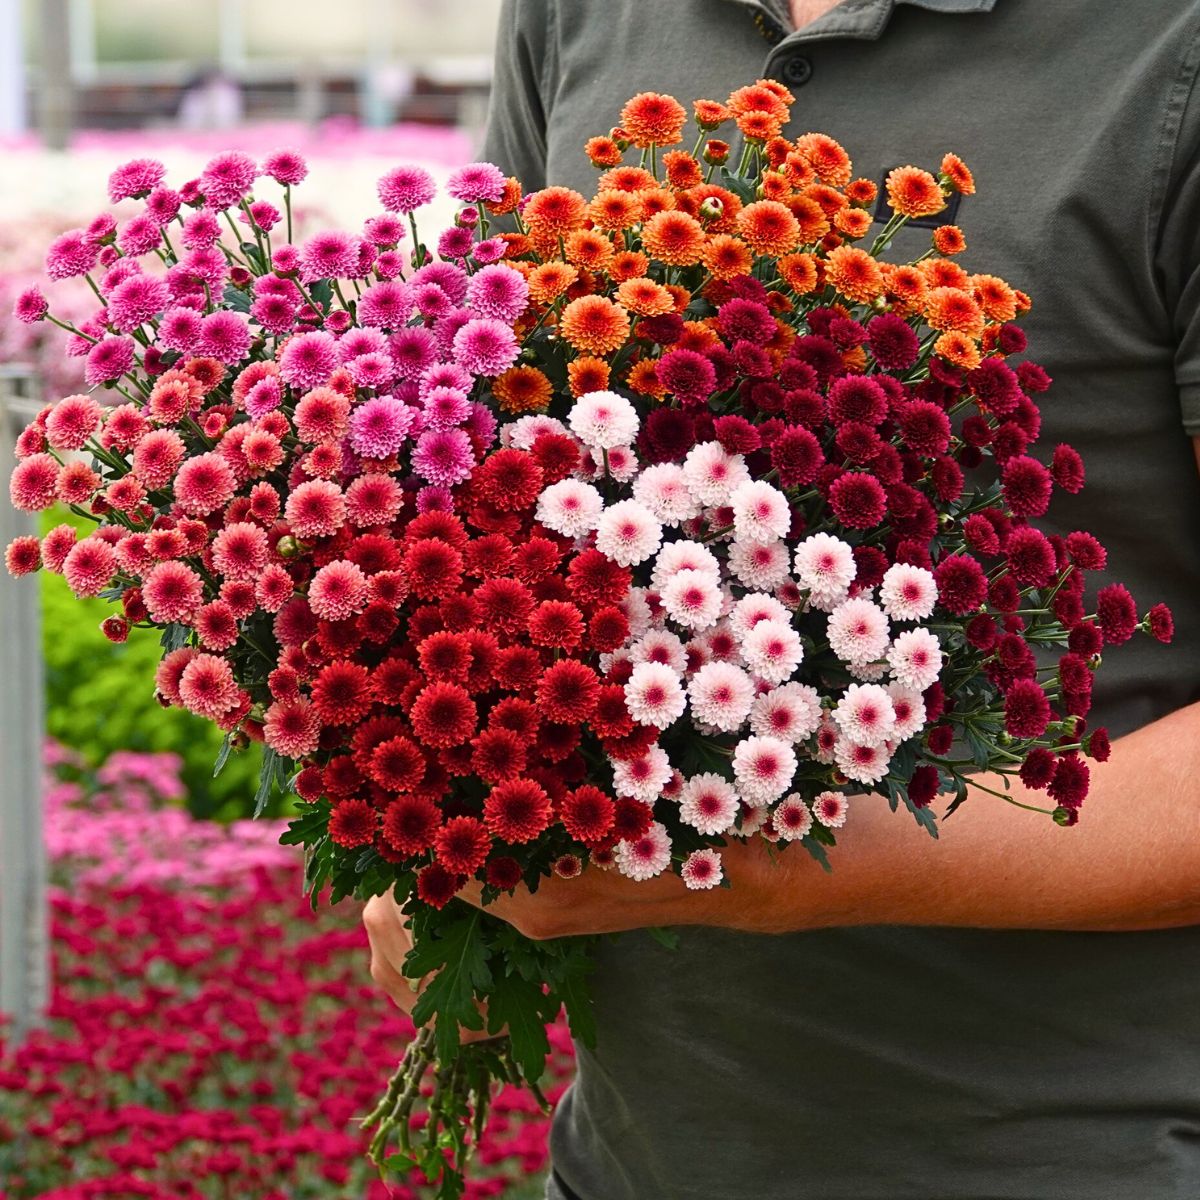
443, 456
637, 611
825, 565
773, 650
227, 178
603, 420
109, 359
628, 533
909, 706
644, 857
660, 646
498, 291
136, 301
316, 508
702, 869
661, 487
709, 803
338, 590
207, 686
684, 556
239, 551
858, 631
712, 473
791, 712
203, 484
622, 462
692, 599
385, 305
379, 426
90, 566
644, 777
172, 592
374, 500
792, 818
485, 346
134, 179
763, 768
570, 507
752, 609
759, 565
56, 545
157, 457
403, 189
760, 512
830, 808
860, 762
654, 695
309, 359
721, 695
524, 431
72, 421
225, 336
907, 593
915, 658
864, 714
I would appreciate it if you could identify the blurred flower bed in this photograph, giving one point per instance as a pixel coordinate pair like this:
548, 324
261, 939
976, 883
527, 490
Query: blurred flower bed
209, 1035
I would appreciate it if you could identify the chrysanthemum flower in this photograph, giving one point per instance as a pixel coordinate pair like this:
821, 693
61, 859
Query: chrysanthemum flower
404, 189
462, 845
915, 658
702, 869
172, 592
109, 359
70, 254
952, 309
721, 695
773, 650
239, 551
567, 691
865, 715
908, 705
308, 360
914, 193
709, 803
410, 824
341, 693
959, 174
830, 808
675, 238
642, 777
517, 810
207, 686
858, 631
692, 599
227, 178
628, 533
646, 856
292, 727
760, 512
907, 593
337, 591
825, 564
653, 118
768, 227
594, 325
854, 273
763, 768
712, 473
961, 584
654, 695
485, 346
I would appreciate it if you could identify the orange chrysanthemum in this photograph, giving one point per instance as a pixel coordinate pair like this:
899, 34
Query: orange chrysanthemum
731, 205
768, 227
949, 239
814, 224
780, 341
776, 89
774, 186
516, 244
799, 272
855, 360
959, 174
522, 389
716, 151
914, 193
589, 248
594, 324
645, 297
674, 238
627, 179
727, 257
995, 297
780, 303
653, 119
798, 170
959, 349
681, 295
853, 222
948, 308
828, 158
549, 280
602, 151
941, 272
758, 125
655, 201
709, 113
587, 374
907, 284
1024, 302
759, 98
683, 171
697, 336
643, 379
555, 211
829, 199
612, 209
861, 191
509, 198
628, 264
854, 273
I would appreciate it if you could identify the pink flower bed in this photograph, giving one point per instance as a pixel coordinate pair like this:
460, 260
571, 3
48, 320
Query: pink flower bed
209, 1035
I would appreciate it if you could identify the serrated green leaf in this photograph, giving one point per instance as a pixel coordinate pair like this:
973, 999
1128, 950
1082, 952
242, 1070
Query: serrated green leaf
817, 851
667, 938
322, 292
236, 299
572, 989
454, 951
519, 1004
174, 637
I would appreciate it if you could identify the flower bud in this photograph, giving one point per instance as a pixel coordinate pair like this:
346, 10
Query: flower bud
287, 546
716, 152
712, 209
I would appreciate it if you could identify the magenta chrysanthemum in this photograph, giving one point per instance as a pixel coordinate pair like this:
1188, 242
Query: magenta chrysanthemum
227, 178
486, 347
379, 426
443, 456
309, 359
406, 188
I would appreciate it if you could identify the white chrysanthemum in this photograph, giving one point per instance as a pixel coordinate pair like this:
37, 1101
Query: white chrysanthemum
643, 778
759, 565
660, 646
753, 819
865, 714
712, 472
915, 658
909, 706
907, 593
792, 818
791, 712
830, 808
524, 431
683, 556
760, 511
637, 611
721, 695
663, 489
709, 803
858, 631
603, 420
773, 650
825, 565
763, 768
827, 739
862, 763
753, 608
622, 463
644, 857
628, 533
702, 869
692, 599
570, 507
654, 695
868, 672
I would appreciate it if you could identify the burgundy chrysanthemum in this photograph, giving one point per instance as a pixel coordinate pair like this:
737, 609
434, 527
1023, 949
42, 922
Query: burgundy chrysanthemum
857, 398
858, 500
893, 342
1027, 486
504, 873
517, 810
1161, 623
923, 786
1026, 709
567, 691
410, 824
796, 454
961, 583
1038, 768
1069, 787
436, 886
1117, 613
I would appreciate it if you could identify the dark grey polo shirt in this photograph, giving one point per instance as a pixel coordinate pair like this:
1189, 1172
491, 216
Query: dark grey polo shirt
934, 1064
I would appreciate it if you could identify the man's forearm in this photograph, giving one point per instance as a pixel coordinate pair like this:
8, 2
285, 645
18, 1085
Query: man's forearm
1132, 862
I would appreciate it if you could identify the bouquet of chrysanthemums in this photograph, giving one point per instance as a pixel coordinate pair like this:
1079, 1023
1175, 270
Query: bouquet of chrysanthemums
594, 536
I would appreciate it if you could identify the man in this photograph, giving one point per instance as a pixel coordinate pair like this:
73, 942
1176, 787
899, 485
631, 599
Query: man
1014, 1010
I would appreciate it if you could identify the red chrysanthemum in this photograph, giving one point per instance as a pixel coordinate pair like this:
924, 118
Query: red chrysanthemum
410, 824
1117, 613
607, 629
567, 691
858, 500
631, 819
445, 656
587, 814
433, 568
556, 624
517, 668
595, 579
443, 714
611, 718
504, 873
436, 886
516, 715
509, 479
397, 764
505, 604
352, 823
342, 693
498, 754
462, 845
517, 810
536, 560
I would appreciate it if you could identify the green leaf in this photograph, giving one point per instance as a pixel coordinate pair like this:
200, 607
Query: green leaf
453, 949
322, 293
223, 754
817, 851
174, 636
519, 1004
236, 299
267, 779
572, 989
667, 938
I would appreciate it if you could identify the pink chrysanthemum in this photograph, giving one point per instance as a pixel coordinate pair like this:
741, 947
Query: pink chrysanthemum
645, 857
56, 545
712, 472
628, 533
414, 351
273, 588
207, 686
759, 565
444, 407
660, 646
692, 599
403, 189
865, 715
316, 508
203, 484
702, 869
763, 768
180, 329
23, 555
72, 253
791, 712
90, 566
309, 359
830, 809
227, 178
603, 420
292, 727
773, 650
662, 488
709, 803
374, 500
135, 179
443, 456
644, 776
908, 705
485, 346
138, 236
239, 551
475, 182
792, 818
498, 291
31, 306
760, 512
157, 457
721, 695
379, 426
225, 336
109, 359
858, 631
862, 763
329, 254
338, 590
654, 695
34, 483
72, 421
286, 167
570, 507
172, 592
915, 658
825, 565
907, 593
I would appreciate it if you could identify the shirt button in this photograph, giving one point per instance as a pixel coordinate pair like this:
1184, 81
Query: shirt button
796, 70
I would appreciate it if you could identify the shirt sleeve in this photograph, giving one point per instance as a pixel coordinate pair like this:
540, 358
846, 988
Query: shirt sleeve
518, 110
1178, 245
